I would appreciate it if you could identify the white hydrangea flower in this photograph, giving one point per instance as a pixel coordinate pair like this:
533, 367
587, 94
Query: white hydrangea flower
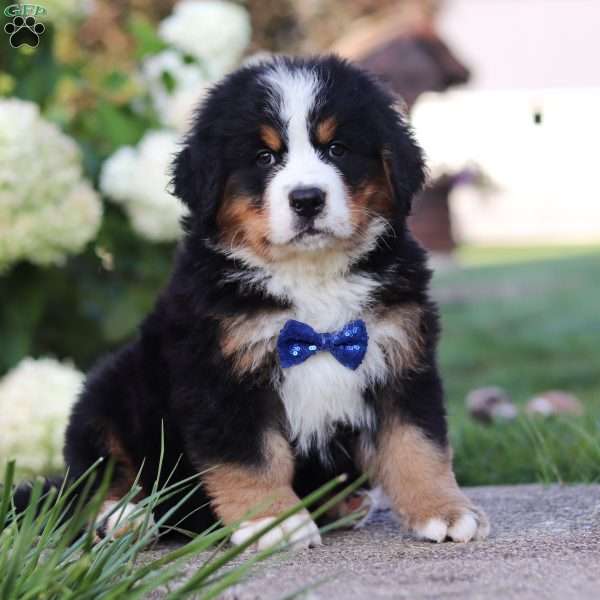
47, 209
179, 111
36, 398
215, 32
176, 87
138, 179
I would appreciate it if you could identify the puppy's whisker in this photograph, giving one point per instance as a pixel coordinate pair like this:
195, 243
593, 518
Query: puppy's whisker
239, 232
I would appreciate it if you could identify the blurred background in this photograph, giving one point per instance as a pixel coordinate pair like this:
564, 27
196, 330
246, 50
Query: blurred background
503, 96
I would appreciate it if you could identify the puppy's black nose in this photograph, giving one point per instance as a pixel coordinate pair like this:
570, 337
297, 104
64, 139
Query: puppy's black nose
307, 202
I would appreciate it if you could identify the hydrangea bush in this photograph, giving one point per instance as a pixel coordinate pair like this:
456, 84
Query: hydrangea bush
138, 178
35, 401
175, 86
214, 32
47, 209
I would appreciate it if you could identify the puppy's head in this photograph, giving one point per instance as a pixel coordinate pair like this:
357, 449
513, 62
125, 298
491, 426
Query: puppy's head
296, 157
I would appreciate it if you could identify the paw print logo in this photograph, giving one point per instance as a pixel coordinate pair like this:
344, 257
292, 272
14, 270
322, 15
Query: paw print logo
24, 31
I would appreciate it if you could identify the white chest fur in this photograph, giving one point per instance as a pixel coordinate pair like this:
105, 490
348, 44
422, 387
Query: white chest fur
321, 392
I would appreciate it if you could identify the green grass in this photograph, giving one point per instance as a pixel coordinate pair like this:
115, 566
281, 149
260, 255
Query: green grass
528, 324
490, 255
43, 555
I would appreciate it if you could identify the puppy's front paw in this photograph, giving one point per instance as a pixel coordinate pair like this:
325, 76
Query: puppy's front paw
457, 524
298, 530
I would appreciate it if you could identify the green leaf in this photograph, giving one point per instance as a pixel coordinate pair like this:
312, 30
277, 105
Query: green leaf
146, 38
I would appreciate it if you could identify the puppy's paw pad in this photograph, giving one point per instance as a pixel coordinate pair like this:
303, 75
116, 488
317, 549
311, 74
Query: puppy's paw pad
298, 530
468, 524
361, 506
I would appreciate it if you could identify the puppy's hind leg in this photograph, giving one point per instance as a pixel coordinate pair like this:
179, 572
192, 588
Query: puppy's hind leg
116, 517
87, 441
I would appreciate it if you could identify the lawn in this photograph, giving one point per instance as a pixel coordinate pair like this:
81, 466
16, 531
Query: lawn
527, 321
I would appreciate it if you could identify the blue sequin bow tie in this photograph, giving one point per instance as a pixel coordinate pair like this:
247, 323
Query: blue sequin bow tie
298, 341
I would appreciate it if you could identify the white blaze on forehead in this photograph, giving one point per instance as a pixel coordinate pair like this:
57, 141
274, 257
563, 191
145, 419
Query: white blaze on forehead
294, 96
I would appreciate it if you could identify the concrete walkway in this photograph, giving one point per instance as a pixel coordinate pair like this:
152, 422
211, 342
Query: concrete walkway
545, 543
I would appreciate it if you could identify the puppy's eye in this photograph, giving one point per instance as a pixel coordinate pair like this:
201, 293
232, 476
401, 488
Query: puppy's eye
265, 158
336, 149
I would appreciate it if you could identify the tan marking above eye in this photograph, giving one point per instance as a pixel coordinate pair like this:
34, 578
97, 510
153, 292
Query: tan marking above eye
326, 130
271, 138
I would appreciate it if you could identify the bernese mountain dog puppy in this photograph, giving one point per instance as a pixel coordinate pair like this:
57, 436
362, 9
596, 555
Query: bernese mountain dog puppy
295, 340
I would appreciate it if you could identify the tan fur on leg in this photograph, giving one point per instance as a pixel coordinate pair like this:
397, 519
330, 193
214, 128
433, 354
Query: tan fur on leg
416, 474
265, 492
115, 523
237, 490
125, 471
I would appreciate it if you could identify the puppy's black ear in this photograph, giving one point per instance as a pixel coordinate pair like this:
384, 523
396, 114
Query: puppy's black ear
403, 163
196, 179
